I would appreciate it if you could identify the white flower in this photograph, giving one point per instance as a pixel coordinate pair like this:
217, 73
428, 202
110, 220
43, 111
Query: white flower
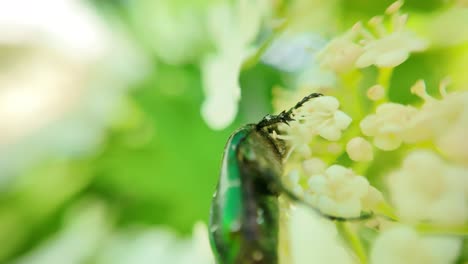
297, 136
174, 31
318, 116
426, 188
341, 53
359, 149
313, 166
313, 239
222, 90
444, 121
404, 246
60, 88
157, 245
47, 24
388, 125
359, 48
338, 192
389, 49
235, 26
86, 227
453, 142
322, 116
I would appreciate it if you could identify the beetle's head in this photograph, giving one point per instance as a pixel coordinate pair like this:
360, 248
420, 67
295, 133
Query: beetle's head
270, 122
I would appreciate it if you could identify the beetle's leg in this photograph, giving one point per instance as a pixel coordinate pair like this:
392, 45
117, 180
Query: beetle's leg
266, 169
272, 184
297, 199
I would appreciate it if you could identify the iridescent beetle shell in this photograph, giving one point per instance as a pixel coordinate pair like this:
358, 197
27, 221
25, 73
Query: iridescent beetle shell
244, 212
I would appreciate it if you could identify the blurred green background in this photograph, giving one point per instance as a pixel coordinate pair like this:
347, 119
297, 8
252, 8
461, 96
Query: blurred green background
154, 161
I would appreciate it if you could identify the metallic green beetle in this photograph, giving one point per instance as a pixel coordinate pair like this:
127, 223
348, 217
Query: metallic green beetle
244, 210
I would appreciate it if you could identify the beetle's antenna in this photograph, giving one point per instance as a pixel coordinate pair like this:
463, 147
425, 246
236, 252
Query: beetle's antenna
303, 101
285, 116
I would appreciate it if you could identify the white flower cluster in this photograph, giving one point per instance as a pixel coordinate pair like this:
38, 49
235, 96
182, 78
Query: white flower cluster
338, 191
388, 125
427, 188
360, 48
335, 190
403, 244
444, 122
425, 173
320, 116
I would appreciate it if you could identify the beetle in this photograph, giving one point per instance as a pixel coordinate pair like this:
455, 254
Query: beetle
244, 211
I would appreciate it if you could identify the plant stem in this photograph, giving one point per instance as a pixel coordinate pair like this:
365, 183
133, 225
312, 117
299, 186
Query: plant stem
384, 77
457, 230
353, 241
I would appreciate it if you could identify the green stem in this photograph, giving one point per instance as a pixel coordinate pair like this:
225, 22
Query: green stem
457, 230
384, 77
353, 241
255, 58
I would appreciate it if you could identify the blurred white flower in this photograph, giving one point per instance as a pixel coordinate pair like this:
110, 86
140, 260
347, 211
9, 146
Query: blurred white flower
157, 246
232, 29
64, 76
444, 121
403, 245
36, 92
426, 188
68, 26
338, 192
313, 239
453, 143
389, 49
359, 48
220, 79
341, 53
87, 235
175, 31
388, 125
85, 229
